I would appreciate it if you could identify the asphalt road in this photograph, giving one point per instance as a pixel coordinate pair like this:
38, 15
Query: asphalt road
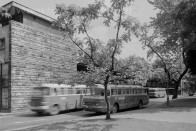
30, 120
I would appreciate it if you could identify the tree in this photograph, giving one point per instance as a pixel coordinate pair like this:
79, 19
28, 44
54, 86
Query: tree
100, 58
172, 38
134, 70
4, 13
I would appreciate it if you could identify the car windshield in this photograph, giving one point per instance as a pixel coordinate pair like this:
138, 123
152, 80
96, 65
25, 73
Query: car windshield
41, 91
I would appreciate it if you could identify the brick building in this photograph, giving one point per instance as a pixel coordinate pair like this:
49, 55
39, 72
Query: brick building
31, 52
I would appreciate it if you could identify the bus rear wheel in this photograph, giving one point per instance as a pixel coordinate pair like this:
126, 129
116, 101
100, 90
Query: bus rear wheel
54, 110
40, 113
115, 108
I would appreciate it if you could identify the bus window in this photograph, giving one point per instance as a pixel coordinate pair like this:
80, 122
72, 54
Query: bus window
102, 93
78, 91
127, 91
134, 91
84, 91
62, 91
123, 91
131, 91
108, 93
119, 91
41, 91
55, 91
70, 91
114, 92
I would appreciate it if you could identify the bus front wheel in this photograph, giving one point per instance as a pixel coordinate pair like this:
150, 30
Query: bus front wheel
54, 110
115, 108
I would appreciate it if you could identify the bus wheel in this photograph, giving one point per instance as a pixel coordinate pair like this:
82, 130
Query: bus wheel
115, 108
140, 105
40, 113
54, 110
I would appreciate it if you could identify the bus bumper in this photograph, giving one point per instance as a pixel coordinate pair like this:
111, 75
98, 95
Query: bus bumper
101, 109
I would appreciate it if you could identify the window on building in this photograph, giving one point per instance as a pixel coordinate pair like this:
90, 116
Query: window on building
2, 43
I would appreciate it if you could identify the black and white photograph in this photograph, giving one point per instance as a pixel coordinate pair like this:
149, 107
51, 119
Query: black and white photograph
97, 65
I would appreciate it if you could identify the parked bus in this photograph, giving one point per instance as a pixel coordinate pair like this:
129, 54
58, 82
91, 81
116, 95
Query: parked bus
53, 98
119, 96
157, 92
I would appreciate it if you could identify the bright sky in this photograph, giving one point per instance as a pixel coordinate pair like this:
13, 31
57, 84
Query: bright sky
142, 11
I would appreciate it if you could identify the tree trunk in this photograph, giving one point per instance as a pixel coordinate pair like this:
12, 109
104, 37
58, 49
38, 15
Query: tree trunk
106, 98
175, 95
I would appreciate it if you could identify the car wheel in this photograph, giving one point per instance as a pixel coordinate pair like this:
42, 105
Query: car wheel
115, 108
54, 110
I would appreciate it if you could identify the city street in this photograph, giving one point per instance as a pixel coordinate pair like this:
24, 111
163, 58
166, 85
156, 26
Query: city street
30, 120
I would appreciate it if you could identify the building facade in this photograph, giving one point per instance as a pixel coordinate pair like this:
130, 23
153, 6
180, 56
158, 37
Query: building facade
31, 52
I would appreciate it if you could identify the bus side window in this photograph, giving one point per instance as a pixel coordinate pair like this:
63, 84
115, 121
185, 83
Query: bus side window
74, 91
55, 91
124, 91
108, 93
119, 91
70, 91
78, 91
84, 91
114, 92
131, 91
135, 91
127, 91
139, 91
62, 91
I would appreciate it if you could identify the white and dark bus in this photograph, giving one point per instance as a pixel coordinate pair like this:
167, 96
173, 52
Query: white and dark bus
120, 97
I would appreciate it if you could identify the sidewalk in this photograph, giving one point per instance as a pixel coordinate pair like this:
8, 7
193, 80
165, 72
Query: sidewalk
15, 113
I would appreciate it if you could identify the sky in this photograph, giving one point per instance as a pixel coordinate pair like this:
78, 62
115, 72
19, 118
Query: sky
141, 10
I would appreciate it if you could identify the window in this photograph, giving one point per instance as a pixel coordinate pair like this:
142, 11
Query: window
114, 92
62, 91
131, 91
119, 91
78, 91
124, 91
127, 91
4, 75
2, 43
134, 91
70, 91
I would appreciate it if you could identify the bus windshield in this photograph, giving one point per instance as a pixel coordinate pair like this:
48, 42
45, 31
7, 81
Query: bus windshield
150, 90
41, 91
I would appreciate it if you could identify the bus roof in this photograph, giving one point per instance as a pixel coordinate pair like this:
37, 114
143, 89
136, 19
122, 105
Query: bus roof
80, 86
116, 86
54, 86
60, 86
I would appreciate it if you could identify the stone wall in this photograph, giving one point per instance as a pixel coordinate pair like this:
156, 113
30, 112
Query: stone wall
37, 57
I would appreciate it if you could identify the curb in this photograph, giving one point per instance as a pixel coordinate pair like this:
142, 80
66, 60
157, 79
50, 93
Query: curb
16, 113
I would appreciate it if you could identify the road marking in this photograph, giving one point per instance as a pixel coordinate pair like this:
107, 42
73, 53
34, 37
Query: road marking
28, 121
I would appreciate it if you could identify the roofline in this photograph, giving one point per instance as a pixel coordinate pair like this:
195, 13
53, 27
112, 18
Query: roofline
31, 11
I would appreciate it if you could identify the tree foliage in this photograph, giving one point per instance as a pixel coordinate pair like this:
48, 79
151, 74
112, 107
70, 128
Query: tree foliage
4, 13
172, 37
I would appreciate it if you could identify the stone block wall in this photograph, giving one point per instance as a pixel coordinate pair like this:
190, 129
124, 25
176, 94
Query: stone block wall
37, 57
